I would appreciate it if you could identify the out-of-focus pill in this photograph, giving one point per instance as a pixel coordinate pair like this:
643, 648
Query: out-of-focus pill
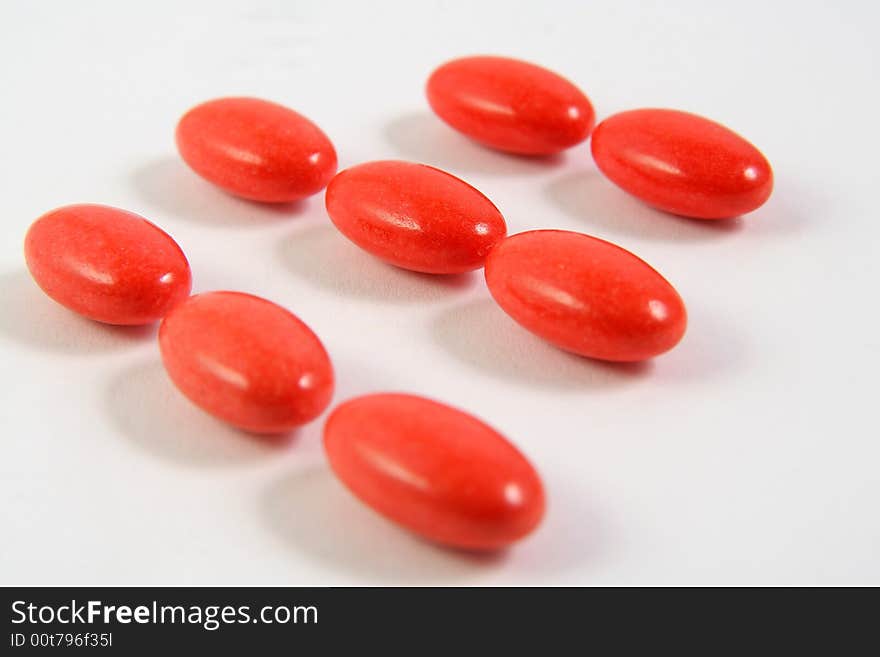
107, 264
256, 149
415, 216
247, 361
434, 469
510, 105
585, 295
682, 163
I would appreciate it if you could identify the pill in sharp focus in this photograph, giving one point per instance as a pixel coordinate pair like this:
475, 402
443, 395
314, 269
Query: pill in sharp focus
585, 295
434, 469
107, 264
682, 163
415, 216
256, 149
247, 361
510, 105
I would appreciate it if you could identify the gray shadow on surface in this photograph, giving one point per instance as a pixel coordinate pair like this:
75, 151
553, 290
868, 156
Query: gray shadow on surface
482, 336
324, 257
150, 412
170, 185
575, 532
31, 318
712, 346
789, 210
423, 137
601, 206
313, 513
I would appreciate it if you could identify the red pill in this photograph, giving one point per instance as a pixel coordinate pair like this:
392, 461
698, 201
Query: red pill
107, 264
510, 105
585, 295
682, 163
247, 361
256, 149
434, 469
415, 216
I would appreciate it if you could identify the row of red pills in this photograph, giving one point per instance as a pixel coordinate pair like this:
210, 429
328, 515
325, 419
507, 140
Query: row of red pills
248, 361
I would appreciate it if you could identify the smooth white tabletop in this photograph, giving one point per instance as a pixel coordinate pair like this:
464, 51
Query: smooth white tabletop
750, 454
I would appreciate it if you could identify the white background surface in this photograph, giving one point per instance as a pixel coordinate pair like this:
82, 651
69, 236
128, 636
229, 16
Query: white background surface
749, 454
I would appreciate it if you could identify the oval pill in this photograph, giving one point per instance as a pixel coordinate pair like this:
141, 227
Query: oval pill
510, 105
107, 264
434, 469
256, 149
414, 216
585, 295
247, 361
682, 163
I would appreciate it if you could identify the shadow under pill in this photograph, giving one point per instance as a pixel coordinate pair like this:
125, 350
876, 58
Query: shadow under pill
311, 512
422, 137
574, 533
150, 412
172, 187
789, 210
482, 336
603, 207
326, 259
713, 345
31, 318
